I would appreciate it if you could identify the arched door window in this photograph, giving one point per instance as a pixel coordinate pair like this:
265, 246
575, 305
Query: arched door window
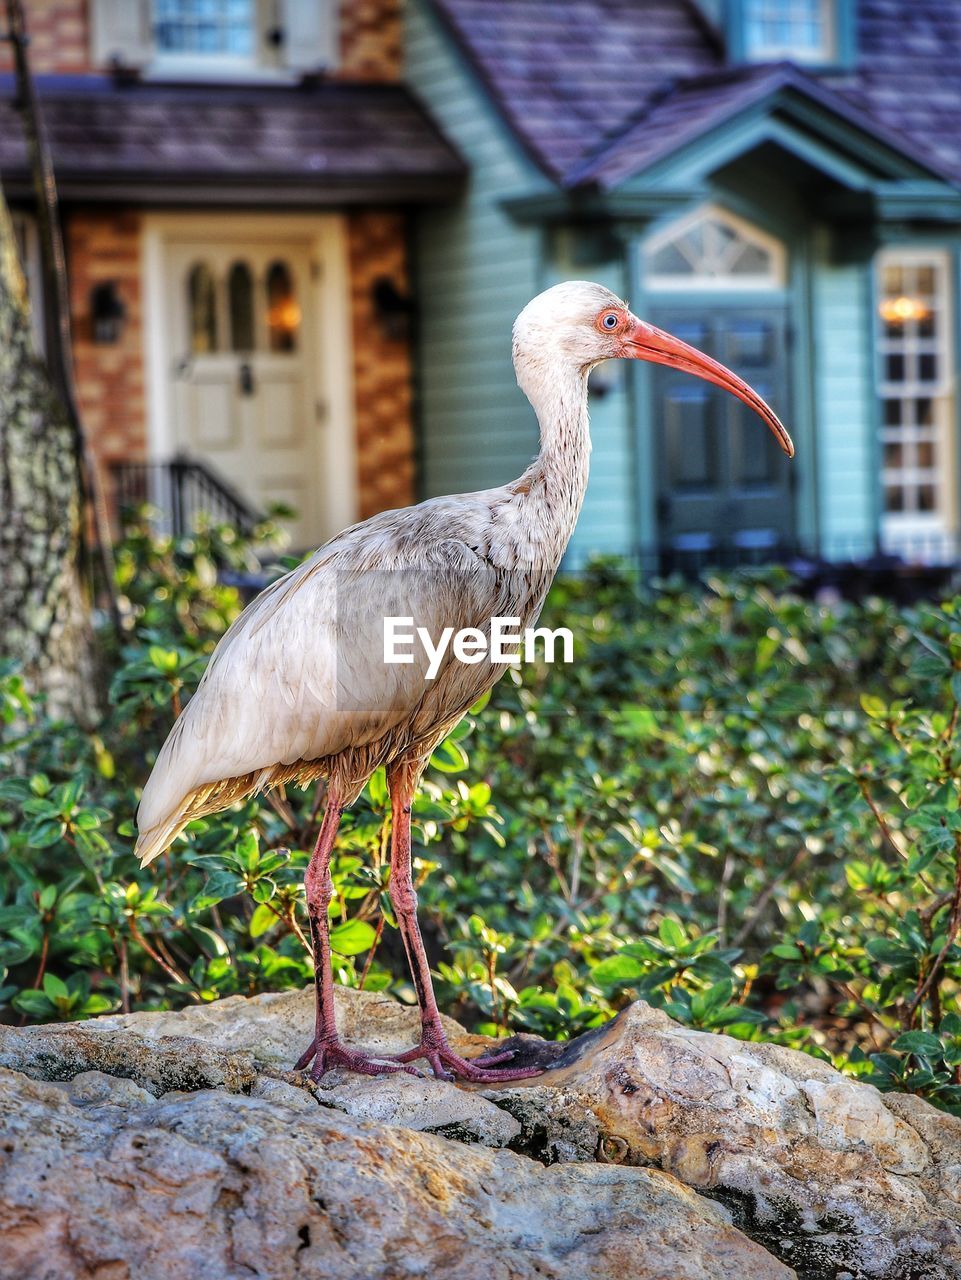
283, 310
240, 300
202, 309
713, 249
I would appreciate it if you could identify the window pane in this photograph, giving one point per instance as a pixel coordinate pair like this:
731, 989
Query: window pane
752, 261
283, 313
893, 497
714, 249
669, 261
202, 305
240, 292
792, 28
208, 28
927, 366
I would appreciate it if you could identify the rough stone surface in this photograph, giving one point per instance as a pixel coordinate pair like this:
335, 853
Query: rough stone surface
111, 1183
191, 1125
830, 1174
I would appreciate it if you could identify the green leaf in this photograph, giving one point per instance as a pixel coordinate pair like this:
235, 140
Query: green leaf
54, 988
262, 920
165, 660
33, 1003
352, 937
875, 707
450, 757
617, 971
920, 1042
671, 933
888, 952
44, 834
97, 1004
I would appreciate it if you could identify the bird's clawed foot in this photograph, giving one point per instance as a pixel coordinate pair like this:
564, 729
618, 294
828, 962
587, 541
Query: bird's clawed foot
448, 1065
330, 1052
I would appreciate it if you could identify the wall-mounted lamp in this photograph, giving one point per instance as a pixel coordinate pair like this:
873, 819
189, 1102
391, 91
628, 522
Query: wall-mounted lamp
392, 309
107, 312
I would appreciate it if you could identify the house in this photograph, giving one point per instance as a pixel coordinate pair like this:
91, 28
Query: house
775, 181
238, 180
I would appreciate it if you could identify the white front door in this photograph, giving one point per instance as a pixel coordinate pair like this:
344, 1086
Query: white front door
243, 395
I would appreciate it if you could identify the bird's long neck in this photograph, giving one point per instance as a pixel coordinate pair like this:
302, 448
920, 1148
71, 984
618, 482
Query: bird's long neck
555, 482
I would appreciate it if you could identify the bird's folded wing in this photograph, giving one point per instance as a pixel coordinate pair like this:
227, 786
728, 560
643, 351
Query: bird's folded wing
301, 675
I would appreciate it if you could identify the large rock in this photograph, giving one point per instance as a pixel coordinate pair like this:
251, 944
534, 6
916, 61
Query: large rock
100, 1180
837, 1180
828, 1173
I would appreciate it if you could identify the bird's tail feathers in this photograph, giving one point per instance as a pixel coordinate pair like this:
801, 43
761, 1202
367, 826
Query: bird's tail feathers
152, 843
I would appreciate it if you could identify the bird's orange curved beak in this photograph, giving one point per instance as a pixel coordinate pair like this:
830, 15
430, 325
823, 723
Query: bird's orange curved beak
648, 343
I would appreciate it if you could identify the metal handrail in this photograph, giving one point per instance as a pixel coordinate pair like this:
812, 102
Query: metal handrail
181, 489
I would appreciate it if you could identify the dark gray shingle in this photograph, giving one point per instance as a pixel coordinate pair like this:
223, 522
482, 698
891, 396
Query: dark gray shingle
371, 139
573, 78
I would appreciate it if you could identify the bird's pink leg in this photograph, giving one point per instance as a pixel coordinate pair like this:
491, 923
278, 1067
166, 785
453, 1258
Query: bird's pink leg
433, 1042
326, 1049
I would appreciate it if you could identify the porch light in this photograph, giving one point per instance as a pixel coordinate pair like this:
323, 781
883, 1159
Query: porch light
107, 312
393, 310
900, 310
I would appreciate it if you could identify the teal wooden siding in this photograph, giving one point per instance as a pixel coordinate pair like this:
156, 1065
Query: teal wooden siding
846, 412
608, 517
476, 269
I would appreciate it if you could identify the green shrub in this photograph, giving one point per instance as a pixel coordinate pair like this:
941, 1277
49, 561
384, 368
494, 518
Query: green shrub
736, 804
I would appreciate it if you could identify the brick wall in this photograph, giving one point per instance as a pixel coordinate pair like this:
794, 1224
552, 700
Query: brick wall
58, 37
370, 39
102, 246
382, 368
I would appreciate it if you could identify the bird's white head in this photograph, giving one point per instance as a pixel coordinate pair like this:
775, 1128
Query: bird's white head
577, 324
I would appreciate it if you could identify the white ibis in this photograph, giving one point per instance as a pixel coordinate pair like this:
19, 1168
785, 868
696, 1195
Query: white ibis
299, 689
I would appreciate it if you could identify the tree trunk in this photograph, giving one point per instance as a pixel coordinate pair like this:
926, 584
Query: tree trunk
45, 623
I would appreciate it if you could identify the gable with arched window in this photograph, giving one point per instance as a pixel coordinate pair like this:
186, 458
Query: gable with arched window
713, 249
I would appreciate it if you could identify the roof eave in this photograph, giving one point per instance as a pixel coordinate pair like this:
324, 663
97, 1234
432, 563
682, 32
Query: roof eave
587, 203
247, 191
790, 94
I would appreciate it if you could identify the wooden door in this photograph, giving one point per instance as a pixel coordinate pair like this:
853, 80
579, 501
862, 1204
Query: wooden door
723, 485
243, 395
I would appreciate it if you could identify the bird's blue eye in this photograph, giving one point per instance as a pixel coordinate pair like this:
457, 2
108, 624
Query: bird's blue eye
609, 322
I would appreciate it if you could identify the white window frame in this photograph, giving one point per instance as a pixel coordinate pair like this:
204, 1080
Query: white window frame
920, 535
261, 63
123, 35
696, 282
825, 53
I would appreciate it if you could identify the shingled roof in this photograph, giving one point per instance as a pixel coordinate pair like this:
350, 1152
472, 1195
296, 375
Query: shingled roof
574, 80
310, 145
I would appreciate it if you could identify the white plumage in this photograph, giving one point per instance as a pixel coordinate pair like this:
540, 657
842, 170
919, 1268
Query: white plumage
298, 687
